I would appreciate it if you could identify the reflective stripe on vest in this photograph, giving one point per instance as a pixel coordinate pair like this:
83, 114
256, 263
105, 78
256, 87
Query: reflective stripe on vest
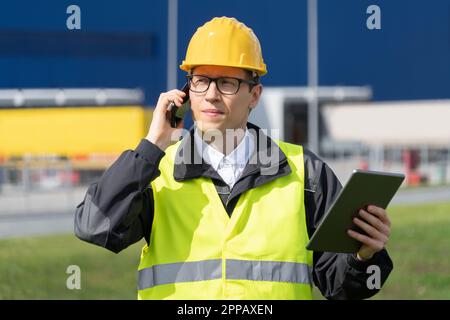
268, 271
235, 269
179, 272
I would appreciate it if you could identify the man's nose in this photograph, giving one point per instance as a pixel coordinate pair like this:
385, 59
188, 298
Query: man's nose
213, 93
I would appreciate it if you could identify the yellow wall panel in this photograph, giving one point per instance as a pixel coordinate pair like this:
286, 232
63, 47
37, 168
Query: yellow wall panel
72, 131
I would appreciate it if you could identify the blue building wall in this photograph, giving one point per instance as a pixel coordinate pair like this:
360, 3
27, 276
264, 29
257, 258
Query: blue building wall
123, 44
120, 44
409, 58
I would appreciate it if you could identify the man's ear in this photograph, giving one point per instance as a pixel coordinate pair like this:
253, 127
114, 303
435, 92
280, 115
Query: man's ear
256, 95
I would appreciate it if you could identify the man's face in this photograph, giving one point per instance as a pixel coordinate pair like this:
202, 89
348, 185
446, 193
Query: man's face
214, 110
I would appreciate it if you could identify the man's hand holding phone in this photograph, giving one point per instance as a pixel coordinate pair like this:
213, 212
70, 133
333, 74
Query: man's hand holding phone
161, 133
177, 113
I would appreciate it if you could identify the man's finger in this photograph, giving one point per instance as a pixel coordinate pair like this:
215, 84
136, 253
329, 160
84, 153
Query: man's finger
371, 231
373, 244
380, 213
375, 222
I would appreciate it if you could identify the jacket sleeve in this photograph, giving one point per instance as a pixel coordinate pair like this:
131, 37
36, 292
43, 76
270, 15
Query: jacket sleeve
337, 275
117, 211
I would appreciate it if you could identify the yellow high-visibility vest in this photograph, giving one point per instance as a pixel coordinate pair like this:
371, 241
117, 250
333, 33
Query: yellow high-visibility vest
197, 251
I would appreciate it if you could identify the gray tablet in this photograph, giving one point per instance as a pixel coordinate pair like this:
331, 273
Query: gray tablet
362, 189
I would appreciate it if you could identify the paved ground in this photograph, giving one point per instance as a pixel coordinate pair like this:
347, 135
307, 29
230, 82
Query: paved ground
49, 213
423, 195
24, 225
38, 212
15, 201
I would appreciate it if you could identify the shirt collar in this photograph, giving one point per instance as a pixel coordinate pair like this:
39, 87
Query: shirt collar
238, 157
189, 163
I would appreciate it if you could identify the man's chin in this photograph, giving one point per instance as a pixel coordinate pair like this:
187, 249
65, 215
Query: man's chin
205, 126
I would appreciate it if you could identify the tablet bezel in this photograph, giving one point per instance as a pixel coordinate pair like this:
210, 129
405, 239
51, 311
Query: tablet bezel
331, 233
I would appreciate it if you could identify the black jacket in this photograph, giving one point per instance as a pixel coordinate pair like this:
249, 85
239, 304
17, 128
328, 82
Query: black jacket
118, 210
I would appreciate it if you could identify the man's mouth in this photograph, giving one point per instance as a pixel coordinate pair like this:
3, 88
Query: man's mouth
212, 112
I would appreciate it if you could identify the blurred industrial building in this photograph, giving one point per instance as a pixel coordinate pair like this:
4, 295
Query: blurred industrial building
72, 100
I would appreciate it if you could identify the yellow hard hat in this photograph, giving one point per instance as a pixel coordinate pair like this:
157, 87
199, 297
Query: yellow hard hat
225, 42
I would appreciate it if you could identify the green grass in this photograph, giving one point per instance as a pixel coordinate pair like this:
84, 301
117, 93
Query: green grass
35, 268
420, 248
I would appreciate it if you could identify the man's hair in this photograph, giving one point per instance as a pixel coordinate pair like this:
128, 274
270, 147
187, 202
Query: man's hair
253, 76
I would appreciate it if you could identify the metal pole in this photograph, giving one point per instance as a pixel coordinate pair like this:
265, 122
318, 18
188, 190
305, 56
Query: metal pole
26, 184
313, 77
172, 39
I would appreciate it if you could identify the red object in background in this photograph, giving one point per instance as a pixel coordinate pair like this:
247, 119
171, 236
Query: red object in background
411, 160
80, 157
413, 179
72, 177
363, 165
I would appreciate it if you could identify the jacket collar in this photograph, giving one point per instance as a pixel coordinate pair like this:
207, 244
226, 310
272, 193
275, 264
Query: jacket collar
266, 159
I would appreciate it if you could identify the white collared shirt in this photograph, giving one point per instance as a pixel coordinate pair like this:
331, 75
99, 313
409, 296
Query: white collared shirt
229, 167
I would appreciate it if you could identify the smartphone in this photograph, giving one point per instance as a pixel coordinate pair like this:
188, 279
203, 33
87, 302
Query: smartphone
177, 113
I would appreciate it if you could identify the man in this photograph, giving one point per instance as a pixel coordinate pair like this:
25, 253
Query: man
235, 224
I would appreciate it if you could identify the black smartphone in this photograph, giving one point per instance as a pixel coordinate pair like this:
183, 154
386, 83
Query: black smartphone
177, 113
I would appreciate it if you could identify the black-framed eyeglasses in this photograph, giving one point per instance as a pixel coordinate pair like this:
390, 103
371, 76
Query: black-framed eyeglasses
225, 85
